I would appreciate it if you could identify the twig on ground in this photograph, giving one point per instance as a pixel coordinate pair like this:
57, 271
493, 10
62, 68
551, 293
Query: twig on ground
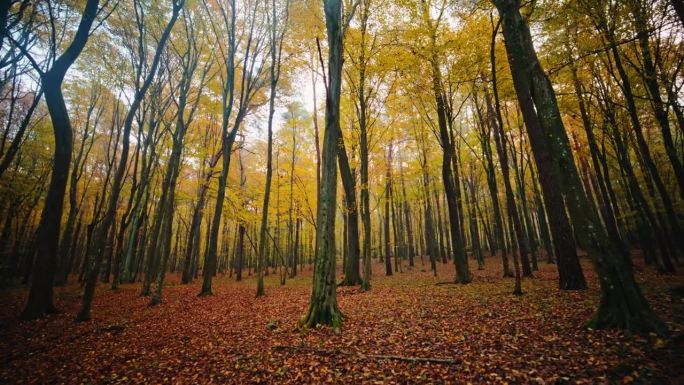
438, 360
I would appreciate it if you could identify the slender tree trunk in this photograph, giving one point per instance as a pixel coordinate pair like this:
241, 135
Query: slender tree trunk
524, 257
651, 80
352, 261
485, 139
64, 246
543, 224
110, 214
296, 247
276, 49
429, 234
407, 218
227, 140
646, 157
388, 192
460, 260
517, 236
640, 202
440, 228
606, 209
476, 246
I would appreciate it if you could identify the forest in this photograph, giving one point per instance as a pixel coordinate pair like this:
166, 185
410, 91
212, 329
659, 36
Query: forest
341, 191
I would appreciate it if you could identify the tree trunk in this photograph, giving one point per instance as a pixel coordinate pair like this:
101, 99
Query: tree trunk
40, 299
429, 233
440, 228
622, 303
485, 138
570, 272
651, 80
407, 218
323, 309
352, 261
606, 209
648, 162
110, 213
388, 193
460, 261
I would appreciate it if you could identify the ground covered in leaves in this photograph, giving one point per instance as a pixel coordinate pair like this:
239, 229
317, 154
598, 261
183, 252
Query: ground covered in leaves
481, 332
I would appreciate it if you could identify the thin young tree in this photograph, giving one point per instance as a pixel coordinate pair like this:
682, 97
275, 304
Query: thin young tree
186, 101
277, 34
386, 226
450, 185
485, 135
252, 71
85, 146
517, 236
143, 83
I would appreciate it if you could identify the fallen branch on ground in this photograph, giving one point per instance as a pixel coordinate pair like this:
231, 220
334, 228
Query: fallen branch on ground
304, 349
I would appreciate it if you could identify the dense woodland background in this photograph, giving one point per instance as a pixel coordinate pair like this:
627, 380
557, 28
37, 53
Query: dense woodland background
435, 156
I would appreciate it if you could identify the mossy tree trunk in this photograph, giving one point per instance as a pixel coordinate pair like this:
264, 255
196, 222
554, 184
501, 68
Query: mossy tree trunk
323, 309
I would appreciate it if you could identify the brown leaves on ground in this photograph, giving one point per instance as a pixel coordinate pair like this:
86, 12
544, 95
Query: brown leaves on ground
490, 335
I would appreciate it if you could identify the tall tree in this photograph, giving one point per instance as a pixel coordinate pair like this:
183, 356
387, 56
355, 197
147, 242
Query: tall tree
518, 237
570, 272
641, 25
490, 171
460, 261
323, 307
40, 299
276, 49
388, 194
143, 83
622, 304
252, 69
187, 102
85, 146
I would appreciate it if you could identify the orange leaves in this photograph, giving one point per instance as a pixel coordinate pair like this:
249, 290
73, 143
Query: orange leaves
488, 335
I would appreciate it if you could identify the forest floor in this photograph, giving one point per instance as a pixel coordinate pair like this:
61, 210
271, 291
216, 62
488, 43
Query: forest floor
489, 335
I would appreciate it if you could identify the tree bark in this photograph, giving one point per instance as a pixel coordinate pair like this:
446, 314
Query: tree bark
352, 251
40, 299
323, 309
485, 140
570, 272
622, 304
386, 227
